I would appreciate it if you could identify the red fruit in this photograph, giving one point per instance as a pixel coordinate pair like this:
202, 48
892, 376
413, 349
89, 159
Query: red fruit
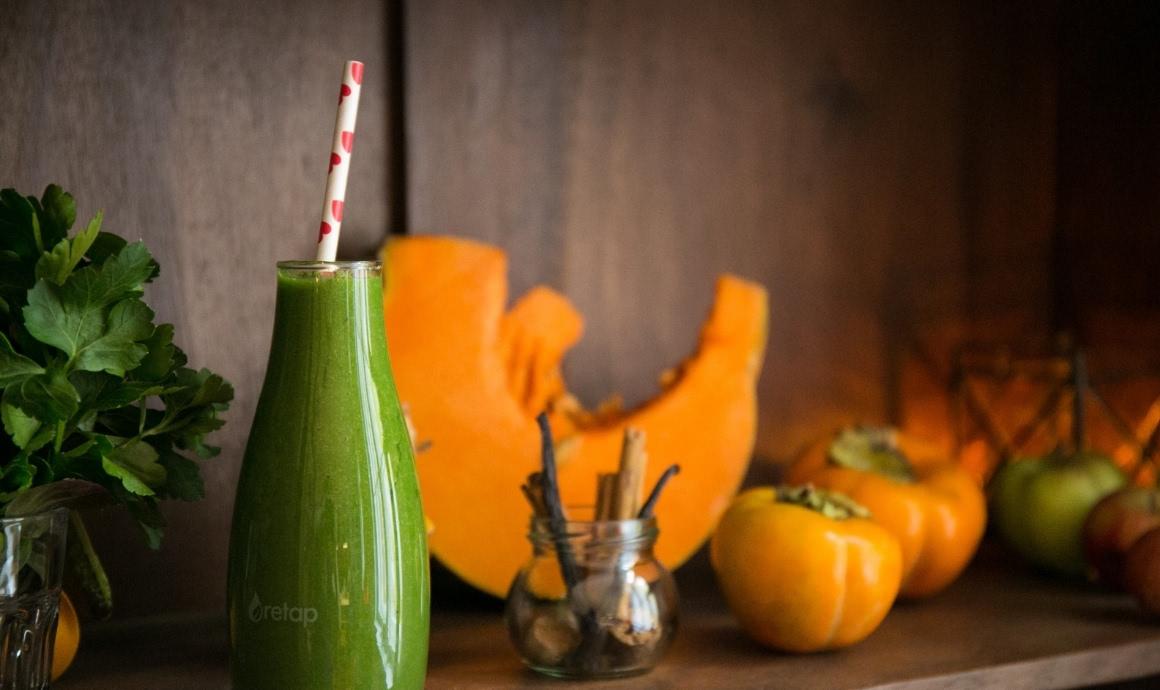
1114, 525
1142, 571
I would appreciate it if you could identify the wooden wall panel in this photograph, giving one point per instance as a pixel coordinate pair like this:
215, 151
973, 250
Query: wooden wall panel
1108, 243
627, 152
1005, 188
1109, 149
862, 160
203, 128
1008, 174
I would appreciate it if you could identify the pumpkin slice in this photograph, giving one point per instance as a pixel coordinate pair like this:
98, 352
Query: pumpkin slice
474, 377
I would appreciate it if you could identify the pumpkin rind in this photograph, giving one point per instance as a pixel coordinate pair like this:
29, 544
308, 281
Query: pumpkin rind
474, 376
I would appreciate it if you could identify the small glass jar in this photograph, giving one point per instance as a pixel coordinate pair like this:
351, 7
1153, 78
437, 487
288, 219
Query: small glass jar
606, 609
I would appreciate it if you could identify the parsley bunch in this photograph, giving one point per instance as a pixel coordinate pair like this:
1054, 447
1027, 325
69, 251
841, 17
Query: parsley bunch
94, 393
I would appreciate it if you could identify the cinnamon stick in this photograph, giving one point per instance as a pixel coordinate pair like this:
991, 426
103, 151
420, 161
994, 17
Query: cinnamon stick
630, 477
605, 495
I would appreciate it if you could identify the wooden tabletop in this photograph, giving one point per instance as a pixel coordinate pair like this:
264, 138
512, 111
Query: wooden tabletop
999, 626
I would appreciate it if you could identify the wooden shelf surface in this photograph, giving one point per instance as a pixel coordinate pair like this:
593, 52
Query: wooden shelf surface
996, 627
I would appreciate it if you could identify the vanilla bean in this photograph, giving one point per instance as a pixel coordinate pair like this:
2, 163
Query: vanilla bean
557, 521
588, 654
534, 491
533, 500
651, 504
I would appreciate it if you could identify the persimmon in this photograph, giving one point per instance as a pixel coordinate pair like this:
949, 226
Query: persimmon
936, 510
803, 569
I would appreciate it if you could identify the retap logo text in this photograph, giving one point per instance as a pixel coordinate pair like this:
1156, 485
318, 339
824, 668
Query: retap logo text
281, 613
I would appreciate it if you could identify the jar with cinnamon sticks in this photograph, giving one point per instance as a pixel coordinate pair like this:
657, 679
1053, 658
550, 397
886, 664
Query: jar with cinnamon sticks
593, 601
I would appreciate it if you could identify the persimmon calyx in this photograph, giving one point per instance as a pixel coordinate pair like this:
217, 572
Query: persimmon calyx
832, 504
871, 449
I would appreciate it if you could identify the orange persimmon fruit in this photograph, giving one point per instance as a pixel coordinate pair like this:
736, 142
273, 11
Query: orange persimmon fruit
936, 509
803, 570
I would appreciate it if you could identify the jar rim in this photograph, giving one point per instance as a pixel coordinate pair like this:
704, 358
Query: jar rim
631, 530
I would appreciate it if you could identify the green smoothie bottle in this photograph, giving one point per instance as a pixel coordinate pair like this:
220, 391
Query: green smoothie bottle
328, 582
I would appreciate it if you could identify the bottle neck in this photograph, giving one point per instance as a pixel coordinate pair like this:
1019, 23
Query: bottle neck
328, 314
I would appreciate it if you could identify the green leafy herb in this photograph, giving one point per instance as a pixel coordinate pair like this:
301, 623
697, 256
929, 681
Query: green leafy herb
93, 393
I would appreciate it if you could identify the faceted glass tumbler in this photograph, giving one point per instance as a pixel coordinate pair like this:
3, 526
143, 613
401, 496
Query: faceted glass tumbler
607, 609
33, 549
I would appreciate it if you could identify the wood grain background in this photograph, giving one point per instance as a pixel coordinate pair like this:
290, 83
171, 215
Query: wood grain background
890, 171
881, 167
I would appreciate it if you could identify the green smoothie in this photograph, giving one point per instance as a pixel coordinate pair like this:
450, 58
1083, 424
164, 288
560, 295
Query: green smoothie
328, 582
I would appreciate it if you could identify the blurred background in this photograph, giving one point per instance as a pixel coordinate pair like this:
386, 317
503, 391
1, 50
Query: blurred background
903, 177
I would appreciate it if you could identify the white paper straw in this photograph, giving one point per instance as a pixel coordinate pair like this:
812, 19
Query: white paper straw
340, 152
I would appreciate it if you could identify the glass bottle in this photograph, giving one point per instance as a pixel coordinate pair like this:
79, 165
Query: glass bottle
328, 582
618, 617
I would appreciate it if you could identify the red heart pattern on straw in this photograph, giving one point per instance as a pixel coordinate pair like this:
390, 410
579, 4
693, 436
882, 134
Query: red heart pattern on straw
333, 203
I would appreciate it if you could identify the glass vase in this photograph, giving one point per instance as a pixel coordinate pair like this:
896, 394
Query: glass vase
30, 575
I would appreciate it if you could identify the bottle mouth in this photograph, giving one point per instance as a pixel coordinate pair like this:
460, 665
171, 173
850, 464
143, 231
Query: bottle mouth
326, 270
314, 265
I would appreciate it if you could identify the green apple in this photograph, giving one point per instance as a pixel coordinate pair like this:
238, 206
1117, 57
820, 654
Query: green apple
1040, 505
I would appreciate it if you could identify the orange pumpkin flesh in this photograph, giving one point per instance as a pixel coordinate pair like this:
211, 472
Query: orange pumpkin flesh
475, 376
